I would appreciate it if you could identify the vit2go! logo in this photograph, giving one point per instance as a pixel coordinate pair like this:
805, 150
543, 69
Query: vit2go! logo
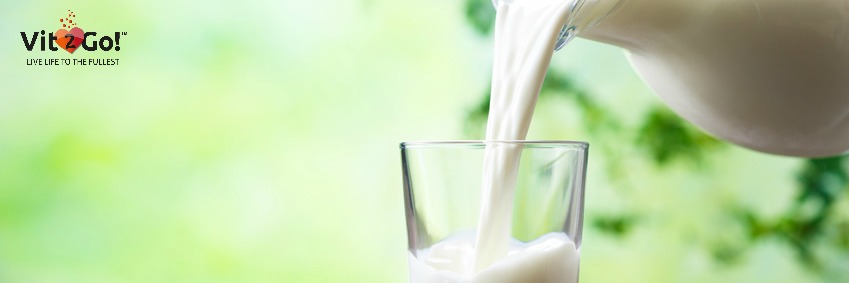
71, 37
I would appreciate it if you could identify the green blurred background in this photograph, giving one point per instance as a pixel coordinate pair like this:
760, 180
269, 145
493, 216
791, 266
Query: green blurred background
256, 141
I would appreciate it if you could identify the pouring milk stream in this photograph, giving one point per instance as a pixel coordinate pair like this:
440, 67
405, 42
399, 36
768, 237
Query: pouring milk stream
526, 34
771, 75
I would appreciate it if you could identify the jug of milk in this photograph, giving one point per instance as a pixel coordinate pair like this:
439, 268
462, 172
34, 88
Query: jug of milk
770, 75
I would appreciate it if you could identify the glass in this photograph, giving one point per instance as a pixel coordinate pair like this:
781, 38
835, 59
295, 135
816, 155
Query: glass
442, 196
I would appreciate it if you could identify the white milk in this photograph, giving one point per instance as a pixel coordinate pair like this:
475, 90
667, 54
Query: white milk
525, 35
552, 258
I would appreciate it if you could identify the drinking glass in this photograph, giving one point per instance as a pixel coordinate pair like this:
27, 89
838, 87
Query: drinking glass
442, 197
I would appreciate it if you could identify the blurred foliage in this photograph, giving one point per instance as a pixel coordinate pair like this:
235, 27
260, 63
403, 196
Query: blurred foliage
480, 15
820, 183
616, 225
665, 137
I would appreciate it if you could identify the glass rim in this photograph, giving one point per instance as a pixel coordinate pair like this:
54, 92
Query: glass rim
479, 143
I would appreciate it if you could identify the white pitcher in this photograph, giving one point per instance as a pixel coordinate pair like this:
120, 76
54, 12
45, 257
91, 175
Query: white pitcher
770, 75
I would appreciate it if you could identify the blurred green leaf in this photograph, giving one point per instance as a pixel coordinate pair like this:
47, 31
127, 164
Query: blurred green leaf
727, 253
481, 15
665, 137
804, 225
616, 225
823, 179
